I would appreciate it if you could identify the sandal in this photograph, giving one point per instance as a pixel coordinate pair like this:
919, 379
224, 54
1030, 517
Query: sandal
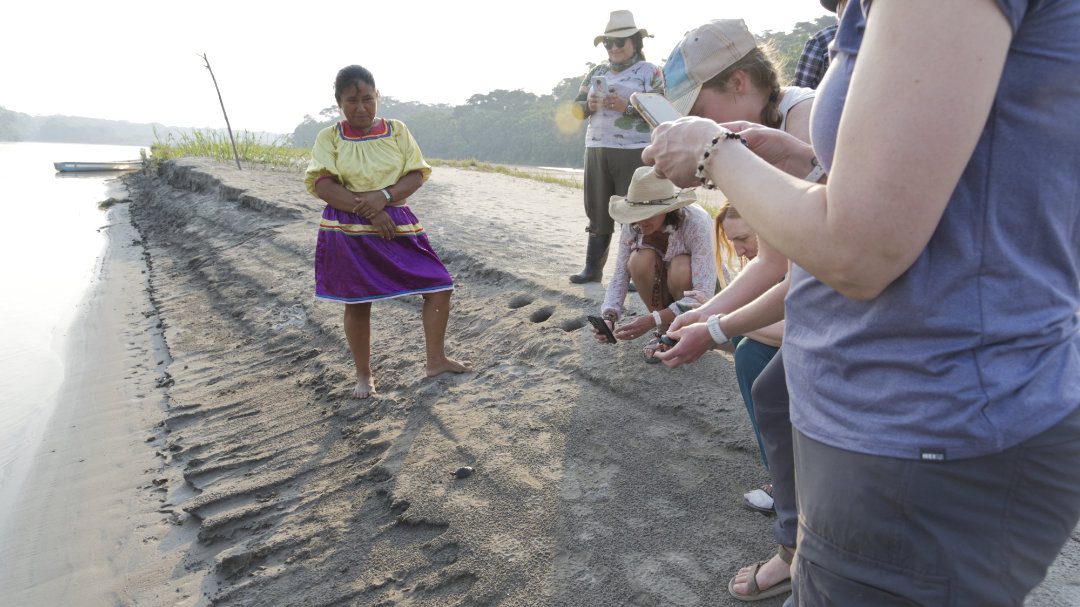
755, 593
652, 347
760, 500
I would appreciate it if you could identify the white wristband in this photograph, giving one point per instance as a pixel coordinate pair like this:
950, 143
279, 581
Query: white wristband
816, 173
656, 318
715, 332
387, 195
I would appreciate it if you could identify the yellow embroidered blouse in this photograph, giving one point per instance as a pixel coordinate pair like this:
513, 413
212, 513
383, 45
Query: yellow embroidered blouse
364, 163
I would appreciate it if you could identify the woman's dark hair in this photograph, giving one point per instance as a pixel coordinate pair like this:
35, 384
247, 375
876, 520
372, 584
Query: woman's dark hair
350, 76
763, 74
673, 219
639, 44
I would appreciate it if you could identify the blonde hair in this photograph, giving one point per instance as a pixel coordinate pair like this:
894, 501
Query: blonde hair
726, 260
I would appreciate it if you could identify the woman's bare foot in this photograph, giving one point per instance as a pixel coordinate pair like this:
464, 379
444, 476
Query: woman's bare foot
365, 387
774, 571
447, 365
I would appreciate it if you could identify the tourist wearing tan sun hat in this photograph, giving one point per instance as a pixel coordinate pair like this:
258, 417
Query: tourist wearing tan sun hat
665, 246
621, 25
616, 133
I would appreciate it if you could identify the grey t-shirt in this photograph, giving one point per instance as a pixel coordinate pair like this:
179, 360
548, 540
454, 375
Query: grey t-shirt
976, 347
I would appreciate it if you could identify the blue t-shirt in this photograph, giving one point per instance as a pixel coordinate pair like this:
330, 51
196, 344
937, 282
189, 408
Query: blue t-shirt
976, 347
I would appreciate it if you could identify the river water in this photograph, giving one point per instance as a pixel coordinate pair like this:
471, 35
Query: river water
50, 246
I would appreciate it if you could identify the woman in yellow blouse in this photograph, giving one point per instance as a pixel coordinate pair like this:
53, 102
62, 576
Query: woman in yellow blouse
370, 245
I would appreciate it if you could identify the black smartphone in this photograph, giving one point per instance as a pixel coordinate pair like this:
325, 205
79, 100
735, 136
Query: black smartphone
601, 326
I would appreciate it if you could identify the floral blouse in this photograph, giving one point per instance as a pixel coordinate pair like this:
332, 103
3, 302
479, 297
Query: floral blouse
693, 238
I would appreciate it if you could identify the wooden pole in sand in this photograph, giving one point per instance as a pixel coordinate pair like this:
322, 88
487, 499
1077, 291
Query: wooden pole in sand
236, 155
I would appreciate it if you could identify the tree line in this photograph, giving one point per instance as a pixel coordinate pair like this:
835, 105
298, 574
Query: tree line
17, 126
509, 127
506, 127
516, 127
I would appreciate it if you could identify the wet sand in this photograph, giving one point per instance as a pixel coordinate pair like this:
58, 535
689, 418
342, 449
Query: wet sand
239, 471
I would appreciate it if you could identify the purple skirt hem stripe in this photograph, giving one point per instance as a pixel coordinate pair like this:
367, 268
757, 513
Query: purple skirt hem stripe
347, 300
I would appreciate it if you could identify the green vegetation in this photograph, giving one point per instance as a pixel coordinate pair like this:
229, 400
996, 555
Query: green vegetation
16, 126
278, 154
520, 128
788, 46
497, 128
275, 153
508, 127
486, 133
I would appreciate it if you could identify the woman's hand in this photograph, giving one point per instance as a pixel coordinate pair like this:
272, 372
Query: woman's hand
780, 149
686, 319
635, 328
693, 341
600, 337
699, 297
594, 101
677, 148
616, 103
369, 204
383, 224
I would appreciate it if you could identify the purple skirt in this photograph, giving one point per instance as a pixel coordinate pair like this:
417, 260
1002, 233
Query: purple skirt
353, 264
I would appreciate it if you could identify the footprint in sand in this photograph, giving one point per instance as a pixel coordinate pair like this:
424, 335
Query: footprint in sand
542, 314
520, 301
571, 324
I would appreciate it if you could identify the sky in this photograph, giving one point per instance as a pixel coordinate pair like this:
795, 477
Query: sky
275, 61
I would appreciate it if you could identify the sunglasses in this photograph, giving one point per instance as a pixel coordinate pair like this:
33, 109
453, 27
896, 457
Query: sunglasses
610, 43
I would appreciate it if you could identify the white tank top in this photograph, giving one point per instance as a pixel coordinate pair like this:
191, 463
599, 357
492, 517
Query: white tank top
792, 96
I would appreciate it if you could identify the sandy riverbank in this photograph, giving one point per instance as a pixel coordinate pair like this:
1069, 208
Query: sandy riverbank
89, 523
599, 480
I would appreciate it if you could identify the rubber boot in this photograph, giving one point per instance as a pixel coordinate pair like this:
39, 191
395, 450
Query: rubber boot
595, 258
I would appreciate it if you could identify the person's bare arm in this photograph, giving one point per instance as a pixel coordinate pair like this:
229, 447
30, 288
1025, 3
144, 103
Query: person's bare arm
336, 195
763, 312
772, 335
405, 187
798, 121
901, 146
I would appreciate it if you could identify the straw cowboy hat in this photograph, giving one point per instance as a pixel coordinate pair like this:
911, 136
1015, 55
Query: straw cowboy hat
620, 25
648, 196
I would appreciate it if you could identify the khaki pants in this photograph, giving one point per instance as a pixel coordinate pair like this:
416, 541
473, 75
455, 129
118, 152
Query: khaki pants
608, 172
886, 532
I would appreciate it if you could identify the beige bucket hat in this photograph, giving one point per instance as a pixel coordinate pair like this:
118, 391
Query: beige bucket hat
620, 25
648, 196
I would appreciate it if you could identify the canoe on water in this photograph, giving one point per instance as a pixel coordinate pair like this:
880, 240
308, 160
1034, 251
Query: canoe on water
82, 167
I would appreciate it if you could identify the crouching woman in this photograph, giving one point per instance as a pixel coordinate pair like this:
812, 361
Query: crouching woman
666, 248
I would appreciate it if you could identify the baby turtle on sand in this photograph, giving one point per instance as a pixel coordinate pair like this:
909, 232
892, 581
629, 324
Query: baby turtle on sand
463, 472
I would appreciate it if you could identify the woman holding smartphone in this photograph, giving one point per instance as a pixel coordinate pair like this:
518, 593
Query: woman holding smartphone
932, 345
666, 248
616, 133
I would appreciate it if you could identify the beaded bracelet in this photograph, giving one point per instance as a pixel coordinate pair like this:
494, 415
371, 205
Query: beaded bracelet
707, 183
